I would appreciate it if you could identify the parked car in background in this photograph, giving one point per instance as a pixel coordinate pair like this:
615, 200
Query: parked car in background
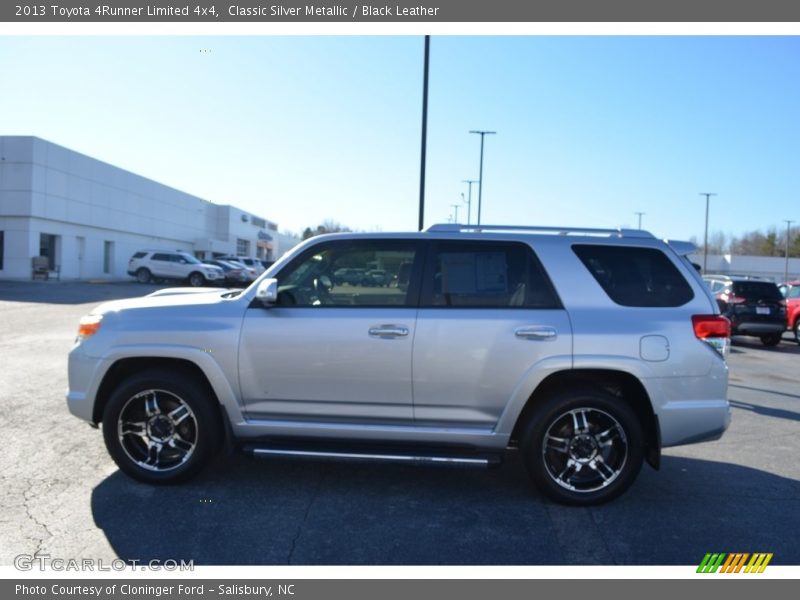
147, 265
755, 308
235, 274
251, 263
791, 292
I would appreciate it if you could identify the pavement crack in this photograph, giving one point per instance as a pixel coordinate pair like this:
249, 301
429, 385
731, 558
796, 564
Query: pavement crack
39, 540
302, 524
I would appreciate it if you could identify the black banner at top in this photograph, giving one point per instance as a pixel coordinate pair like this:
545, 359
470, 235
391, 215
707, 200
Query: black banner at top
400, 11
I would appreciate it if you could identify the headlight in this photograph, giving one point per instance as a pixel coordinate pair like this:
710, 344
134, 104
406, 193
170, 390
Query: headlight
88, 326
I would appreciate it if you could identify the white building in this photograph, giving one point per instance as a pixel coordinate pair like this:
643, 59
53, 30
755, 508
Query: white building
88, 217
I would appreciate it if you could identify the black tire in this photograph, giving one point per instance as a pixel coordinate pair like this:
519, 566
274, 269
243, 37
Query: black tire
596, 446
797, 331
197, 279
771, 339
143, 275
161, 426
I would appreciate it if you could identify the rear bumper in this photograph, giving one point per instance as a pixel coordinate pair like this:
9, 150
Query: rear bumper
758, 327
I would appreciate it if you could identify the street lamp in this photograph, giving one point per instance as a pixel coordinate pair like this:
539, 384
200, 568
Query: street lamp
639, 214
455, 210
705, 239
786, 265
480, 174
469, 199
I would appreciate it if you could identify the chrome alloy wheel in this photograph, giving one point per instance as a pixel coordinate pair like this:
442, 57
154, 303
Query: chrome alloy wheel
157, 430
584, 450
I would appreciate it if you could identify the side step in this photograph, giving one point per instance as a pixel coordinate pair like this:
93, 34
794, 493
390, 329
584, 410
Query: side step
397, 454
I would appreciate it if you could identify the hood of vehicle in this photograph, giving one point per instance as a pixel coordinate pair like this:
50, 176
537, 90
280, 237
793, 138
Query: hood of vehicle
178, 298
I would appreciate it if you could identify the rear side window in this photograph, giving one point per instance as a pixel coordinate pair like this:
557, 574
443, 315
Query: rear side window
487, 275
140, 255
161, 256
635, 276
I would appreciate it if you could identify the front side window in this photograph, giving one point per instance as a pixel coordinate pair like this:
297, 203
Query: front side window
487, 275
633, 276
366, 273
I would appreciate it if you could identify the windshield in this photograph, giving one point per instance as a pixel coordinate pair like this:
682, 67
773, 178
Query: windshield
190, 259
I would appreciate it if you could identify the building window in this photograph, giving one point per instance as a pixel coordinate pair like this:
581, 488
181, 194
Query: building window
108, 257
258, 222
242, 247
2, 246
47, 247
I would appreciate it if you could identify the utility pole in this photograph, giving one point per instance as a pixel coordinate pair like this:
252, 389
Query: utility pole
480, 174
639, 214
424, 133
455, 210
786, 265
705, 239
469, 199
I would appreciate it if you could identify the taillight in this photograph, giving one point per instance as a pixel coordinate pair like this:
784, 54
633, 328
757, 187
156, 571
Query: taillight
715, 330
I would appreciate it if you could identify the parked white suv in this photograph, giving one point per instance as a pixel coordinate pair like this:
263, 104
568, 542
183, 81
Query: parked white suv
584, 350
147, 265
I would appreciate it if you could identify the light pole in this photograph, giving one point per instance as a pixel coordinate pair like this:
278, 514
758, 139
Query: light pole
639, 214
424, 133
480, 174
469, 199
705, 239
455, 210
786, 265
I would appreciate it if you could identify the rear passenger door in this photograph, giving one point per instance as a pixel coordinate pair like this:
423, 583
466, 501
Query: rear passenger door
488, 315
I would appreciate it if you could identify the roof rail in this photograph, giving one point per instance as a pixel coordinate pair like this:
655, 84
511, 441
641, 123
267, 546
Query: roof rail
456, 227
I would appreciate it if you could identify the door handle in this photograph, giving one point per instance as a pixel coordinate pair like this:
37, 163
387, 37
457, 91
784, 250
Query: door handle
388, 331
536, 332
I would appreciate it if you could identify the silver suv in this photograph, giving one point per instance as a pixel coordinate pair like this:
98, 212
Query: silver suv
584, 350
147, 265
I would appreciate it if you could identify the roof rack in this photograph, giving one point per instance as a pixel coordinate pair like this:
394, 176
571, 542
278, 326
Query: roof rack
456, 227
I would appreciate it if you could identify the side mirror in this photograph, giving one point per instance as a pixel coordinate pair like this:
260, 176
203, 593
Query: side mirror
267, 291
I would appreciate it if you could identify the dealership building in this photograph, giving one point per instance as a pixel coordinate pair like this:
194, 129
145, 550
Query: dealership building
87, 217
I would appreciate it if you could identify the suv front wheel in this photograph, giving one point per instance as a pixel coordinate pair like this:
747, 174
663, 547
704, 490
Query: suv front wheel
161, 427
197, 279
583, 446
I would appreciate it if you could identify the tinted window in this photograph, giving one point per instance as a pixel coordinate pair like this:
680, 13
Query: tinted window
487, 275
140, 255
635, 276
161, 256
757, 289
362, 273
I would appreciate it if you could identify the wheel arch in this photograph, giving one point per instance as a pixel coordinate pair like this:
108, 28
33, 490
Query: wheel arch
129, 366
623, 385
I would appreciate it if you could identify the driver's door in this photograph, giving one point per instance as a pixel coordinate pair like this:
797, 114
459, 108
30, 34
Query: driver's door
334, 352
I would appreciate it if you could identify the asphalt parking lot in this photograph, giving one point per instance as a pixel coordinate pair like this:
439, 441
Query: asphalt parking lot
63, 496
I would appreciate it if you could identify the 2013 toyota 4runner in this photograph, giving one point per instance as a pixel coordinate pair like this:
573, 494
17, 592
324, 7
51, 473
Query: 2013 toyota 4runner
585, 350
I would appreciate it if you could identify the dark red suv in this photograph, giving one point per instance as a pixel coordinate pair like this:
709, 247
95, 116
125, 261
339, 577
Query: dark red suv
791, 291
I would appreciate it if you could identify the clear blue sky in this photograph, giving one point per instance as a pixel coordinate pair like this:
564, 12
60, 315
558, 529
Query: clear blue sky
301, 129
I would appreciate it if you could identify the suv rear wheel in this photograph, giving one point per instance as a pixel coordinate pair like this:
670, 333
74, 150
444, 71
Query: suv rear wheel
583, 446
771, 339
161, 427
143, 275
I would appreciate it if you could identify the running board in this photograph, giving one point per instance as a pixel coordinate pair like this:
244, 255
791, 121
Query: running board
430, 457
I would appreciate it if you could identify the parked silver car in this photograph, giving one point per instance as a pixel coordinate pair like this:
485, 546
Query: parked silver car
585, 350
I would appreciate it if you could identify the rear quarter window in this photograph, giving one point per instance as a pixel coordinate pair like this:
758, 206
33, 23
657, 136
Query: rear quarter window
631, 276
